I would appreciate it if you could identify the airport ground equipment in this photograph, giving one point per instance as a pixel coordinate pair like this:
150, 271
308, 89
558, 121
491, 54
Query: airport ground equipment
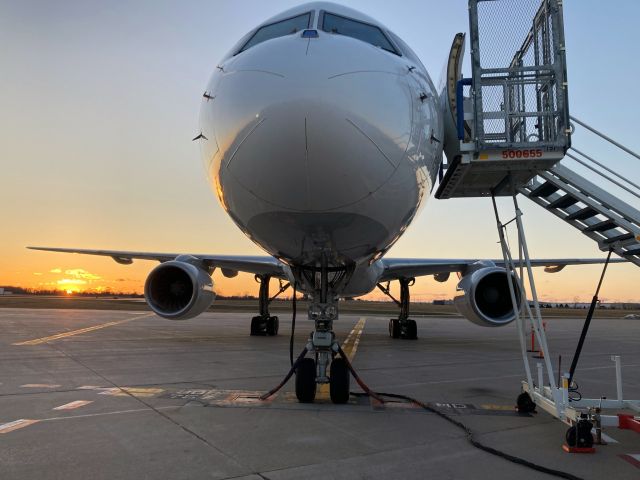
512, 135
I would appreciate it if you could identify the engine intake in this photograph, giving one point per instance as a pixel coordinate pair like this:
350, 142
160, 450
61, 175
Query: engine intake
485, 299
179, 290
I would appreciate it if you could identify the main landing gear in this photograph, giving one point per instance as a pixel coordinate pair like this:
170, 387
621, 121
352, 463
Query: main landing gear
265, 324
403, 326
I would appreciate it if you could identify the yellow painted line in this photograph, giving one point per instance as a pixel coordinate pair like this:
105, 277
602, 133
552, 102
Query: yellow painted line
349, 347
16, 424
40, 385
136, 392
42, 340
73, 405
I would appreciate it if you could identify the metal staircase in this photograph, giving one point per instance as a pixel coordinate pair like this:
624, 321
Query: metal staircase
601, 216
512, 134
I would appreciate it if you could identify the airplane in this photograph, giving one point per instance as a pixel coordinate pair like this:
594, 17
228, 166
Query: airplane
322, 135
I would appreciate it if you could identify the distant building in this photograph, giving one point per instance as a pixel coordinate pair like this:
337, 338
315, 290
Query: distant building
442, 302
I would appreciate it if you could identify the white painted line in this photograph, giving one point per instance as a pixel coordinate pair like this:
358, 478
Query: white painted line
72, 405
40, 385
16, 424
117, 412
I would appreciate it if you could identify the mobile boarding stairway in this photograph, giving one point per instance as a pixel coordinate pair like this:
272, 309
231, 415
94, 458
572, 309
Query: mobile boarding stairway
508, 132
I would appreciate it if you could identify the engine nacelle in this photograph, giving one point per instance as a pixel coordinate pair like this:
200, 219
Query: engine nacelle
484, 297
179, 289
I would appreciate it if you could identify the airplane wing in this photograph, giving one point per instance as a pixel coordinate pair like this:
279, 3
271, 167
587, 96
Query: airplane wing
261, 265
395, 268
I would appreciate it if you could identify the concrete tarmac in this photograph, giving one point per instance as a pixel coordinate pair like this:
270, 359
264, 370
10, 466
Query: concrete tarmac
119, 395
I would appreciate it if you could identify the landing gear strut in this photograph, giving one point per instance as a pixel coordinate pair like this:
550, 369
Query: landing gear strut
403, 326
265, 324
326, 367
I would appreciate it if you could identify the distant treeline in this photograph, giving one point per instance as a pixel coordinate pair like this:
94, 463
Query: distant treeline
10, 289
49, 292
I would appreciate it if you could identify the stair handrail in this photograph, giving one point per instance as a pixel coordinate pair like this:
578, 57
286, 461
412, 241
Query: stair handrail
604, 175
608, 139
613, 172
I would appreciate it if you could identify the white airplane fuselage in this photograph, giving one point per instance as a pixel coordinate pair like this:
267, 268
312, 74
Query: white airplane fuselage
324, 146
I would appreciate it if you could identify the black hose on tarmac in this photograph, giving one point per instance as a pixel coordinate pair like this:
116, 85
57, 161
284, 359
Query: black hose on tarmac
287, 377
470, 437
379, 396
293, 324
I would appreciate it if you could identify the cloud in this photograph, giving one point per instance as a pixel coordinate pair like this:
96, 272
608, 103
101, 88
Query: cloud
55, 270
71, 281
80, 273
37, 273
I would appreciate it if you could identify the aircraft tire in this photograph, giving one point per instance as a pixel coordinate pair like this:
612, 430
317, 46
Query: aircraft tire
273, 325
256, 326
411, 330
394, 328
339, 381
306, 380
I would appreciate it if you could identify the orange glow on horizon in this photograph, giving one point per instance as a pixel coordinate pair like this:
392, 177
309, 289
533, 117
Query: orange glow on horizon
574, 284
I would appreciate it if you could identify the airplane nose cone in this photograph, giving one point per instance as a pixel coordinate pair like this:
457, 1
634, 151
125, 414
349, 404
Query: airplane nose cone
295, 118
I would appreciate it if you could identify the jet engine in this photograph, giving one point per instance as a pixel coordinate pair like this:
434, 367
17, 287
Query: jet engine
179, 289
484, 296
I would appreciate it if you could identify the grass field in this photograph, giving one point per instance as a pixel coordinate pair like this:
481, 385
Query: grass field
251, 306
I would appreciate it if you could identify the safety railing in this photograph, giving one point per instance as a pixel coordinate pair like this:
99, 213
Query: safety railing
623, 181
520, 99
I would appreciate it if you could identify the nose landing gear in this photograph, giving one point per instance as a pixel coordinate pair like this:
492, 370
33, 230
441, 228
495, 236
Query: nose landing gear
339, 380
403, 326
326, 367
265, 324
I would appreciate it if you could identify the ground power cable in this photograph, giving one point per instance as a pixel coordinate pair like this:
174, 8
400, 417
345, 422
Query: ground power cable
470, 435
293, 323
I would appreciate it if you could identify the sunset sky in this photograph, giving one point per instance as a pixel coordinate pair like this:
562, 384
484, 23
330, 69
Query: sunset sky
100, 101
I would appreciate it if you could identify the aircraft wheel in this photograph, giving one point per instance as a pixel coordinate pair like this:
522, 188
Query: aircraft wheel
339, 381
257, 328
411, 330
306, 380
273, 325
394, 328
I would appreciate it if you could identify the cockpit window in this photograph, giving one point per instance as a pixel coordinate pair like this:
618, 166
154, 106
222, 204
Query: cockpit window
278, 29
362, 31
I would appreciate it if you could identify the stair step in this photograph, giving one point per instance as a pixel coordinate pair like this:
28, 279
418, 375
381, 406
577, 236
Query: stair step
544, 190
619, 238
563, 202
601, 226
582, 214
633, 251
